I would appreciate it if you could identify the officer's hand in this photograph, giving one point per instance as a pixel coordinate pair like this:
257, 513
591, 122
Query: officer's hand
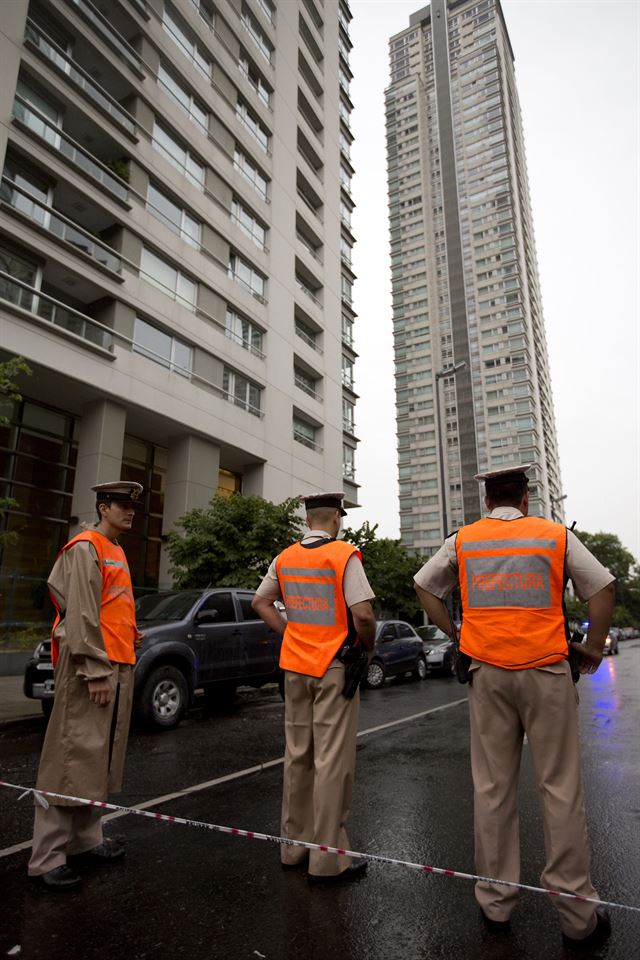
139, 638
100, 691
588, 660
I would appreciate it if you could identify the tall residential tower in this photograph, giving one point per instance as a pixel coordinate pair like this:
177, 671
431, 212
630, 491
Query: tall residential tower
175, 263
465, 279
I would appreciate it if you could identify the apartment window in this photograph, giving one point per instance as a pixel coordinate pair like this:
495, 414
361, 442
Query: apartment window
305, 433
348, 415
180, 35
37, 187
258, 35
244, 393
205, 9
304, 381
347, 372
45, 107
184, 99
253, 125
244, 274
345, 145
268, 9
168, 279
21, 269
240, 329
348, 461
344, 79
345, 249
248, 223
346, 288
166, 350
248, 169
178, 155
173, 216
253, 77
307, 334
347, 330
345, 214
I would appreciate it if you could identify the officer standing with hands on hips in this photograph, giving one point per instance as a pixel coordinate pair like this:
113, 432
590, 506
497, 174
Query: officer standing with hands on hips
328, 604
92, 645
512, 570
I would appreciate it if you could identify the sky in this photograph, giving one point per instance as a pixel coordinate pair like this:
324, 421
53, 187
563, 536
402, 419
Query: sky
577, 69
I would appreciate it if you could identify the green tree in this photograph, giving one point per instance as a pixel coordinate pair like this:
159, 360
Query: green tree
232, 542
608, 549
390, 571
9, 394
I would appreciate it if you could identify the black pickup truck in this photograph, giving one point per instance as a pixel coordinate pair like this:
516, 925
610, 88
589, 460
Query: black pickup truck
209, 639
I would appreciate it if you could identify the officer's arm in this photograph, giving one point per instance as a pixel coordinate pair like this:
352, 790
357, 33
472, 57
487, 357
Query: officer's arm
365, 623
435, 609
265, 609
600, 611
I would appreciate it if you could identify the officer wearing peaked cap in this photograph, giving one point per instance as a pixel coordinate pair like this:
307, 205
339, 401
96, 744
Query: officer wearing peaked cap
92, 641
327, 599
512, 570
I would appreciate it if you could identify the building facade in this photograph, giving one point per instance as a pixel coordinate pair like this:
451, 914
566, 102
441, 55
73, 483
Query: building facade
175, 263
466, 294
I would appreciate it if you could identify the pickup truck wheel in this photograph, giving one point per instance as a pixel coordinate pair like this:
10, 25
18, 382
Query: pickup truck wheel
164, 698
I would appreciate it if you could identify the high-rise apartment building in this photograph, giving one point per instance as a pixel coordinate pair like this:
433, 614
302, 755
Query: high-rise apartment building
465, 279
175, 262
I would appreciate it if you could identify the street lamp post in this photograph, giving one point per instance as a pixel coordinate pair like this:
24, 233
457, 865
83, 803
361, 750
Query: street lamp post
554, 500
440, 375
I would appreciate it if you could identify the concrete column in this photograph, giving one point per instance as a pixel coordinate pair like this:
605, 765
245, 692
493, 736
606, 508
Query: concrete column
100, 443
193, 465
14, 20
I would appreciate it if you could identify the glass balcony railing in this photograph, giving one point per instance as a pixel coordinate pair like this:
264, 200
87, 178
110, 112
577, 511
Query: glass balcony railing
308, 339
307, 387
109, 35
305, 289
22, 295
53, 221
36, 37
306, 441
77, 155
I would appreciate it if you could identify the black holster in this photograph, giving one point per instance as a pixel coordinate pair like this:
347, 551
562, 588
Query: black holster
462, 662
355, 659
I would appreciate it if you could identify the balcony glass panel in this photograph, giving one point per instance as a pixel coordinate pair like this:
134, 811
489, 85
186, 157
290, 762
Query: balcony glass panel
14, 291
51, 220
80, 158
53, 53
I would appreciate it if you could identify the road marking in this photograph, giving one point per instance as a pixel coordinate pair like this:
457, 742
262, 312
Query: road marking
247, 772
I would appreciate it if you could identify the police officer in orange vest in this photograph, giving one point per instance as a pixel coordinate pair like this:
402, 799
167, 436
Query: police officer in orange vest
512, 570
93, 641
328, 604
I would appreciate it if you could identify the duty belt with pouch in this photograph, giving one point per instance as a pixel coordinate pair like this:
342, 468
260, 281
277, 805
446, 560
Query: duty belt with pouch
574, 656
355, 659
461, 661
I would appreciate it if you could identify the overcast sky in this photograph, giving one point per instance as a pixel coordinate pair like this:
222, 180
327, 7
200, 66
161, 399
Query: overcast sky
578, 82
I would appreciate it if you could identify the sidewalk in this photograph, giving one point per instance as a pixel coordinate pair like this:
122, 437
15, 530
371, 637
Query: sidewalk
13, 703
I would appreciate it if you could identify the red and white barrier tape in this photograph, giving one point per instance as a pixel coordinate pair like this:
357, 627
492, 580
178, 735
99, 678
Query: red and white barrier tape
40, 795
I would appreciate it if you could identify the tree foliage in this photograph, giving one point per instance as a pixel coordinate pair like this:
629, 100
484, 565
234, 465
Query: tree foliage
9, 393
608, 549
232, 542
390, 571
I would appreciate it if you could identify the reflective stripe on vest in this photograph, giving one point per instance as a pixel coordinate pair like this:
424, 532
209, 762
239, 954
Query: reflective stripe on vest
317, 618
511, 584
117, 606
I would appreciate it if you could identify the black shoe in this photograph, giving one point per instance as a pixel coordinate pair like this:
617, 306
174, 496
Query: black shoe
105, 852
597, 936
354, 872
496, 926
60, 878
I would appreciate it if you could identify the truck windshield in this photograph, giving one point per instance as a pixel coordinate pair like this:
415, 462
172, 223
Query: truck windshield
166, 606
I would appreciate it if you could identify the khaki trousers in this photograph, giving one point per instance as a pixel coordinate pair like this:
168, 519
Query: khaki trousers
60, 831
543, 703
320, 728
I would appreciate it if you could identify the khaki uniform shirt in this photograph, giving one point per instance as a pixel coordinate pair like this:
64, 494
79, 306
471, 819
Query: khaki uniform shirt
439, 575
355, 584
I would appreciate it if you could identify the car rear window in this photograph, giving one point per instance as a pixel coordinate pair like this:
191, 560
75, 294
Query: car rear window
248, 613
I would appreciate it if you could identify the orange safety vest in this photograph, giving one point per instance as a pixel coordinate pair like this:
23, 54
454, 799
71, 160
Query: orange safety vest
117, 608
318, 619
512, 579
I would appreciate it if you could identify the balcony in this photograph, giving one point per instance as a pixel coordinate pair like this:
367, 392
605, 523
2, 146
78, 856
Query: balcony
56, 223
36, 38
107, 30
307, 292
78, 156
49, 309
306, 441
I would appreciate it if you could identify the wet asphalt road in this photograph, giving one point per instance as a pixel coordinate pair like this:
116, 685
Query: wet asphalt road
183, 892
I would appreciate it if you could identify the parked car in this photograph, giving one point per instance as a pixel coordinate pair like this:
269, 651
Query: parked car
611, 644
398, 650
439, 649
193, 639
